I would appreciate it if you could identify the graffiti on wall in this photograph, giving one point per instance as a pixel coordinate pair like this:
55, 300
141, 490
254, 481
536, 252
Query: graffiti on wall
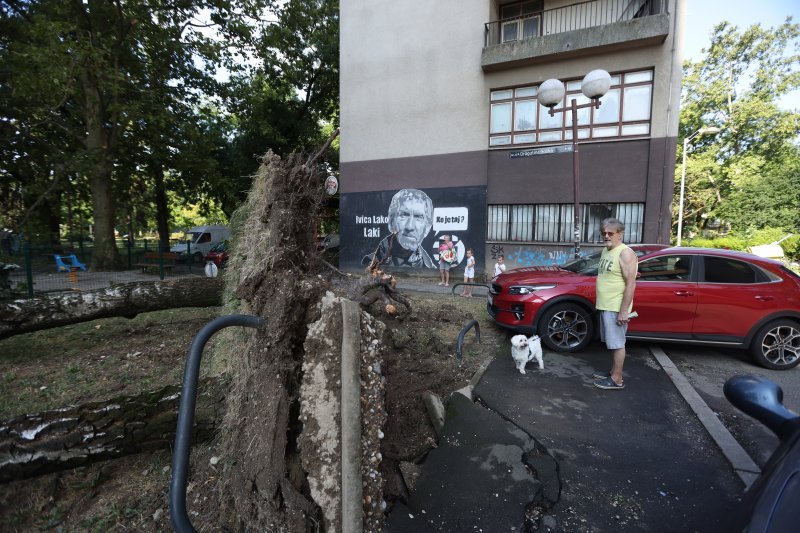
410, 228
531, 255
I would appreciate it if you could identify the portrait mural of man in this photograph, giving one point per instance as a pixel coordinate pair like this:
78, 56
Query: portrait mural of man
403, 228
410, 221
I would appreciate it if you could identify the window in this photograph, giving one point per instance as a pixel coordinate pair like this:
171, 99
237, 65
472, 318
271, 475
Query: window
511, 222
665, 268
625, 111
521, 20
722, 270
630, 214
555, 223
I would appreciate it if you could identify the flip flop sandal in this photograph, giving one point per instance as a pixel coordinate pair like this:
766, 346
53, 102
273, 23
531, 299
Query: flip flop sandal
608, 384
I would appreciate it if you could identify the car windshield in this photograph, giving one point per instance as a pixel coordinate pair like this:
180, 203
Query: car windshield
219, 247
583, 265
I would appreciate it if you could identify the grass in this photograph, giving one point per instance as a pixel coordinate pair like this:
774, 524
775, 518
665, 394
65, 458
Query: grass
96, 360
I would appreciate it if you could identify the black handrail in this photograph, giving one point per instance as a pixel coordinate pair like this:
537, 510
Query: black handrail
183, 433
461, 335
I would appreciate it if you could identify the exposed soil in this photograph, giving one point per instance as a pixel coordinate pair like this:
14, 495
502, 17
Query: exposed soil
110, 357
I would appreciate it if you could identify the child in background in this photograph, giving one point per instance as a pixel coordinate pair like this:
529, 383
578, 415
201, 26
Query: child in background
469, 274
500, 266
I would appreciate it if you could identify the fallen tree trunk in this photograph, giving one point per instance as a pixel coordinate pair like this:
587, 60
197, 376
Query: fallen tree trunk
128, 300
61, 439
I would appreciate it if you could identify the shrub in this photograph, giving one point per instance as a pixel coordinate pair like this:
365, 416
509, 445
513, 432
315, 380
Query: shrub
742, 241
728, 242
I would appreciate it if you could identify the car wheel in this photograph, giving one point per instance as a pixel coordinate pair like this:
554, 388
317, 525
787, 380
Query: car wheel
197, 257
777, 345
566, 327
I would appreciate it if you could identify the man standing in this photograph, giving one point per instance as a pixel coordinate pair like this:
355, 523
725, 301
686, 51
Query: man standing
410, 221
616, 282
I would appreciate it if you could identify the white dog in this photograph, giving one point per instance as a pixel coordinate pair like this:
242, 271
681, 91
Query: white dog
523, 349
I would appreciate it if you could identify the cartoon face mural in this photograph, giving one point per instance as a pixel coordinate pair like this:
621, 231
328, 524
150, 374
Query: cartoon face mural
410, 234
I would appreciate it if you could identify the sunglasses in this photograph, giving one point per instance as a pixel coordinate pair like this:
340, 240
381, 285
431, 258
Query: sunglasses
609, 233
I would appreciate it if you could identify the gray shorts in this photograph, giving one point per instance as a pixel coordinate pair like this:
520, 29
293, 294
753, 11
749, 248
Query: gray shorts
444, 265
612, 333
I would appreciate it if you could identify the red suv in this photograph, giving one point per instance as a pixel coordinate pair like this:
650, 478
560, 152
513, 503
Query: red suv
693, 295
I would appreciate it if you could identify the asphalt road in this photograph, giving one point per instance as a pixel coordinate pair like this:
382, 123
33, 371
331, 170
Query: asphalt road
707, 369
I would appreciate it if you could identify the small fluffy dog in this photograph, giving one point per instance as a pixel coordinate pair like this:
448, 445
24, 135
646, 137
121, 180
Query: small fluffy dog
523, 349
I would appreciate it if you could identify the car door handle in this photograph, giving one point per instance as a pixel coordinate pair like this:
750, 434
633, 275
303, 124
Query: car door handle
765, 298
684, 293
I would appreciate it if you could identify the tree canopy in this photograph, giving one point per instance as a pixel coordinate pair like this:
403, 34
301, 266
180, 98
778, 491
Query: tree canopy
113, 110
746, 176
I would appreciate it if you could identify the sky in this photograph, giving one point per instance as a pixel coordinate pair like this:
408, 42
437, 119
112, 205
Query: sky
703, 15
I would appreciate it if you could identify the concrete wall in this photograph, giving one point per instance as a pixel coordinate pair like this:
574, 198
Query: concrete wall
517, 255
412, 85
410, 72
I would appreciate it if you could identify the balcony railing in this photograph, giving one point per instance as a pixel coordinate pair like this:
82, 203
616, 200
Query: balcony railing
568, 18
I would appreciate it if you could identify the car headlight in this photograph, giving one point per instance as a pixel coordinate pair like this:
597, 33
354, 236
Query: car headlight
529, 289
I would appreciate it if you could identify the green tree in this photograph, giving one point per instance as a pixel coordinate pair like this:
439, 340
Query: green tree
742, 175
106, 81
287, 101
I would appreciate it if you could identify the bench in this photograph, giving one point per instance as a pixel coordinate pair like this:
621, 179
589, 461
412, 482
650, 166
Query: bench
153, 260
68, 263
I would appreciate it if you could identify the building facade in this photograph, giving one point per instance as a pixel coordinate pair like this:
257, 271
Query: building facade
442, 132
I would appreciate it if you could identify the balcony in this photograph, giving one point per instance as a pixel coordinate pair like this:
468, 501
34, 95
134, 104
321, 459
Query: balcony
584, 28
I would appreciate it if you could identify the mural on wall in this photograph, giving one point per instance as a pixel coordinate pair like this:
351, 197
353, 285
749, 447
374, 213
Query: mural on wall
403, 229
517, 256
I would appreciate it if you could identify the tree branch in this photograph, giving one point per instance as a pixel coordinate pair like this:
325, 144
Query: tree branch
313, 160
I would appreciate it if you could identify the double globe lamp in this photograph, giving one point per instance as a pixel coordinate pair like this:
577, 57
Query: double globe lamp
551, 92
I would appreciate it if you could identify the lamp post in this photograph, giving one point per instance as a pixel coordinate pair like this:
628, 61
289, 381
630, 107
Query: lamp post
702, 131
551, 92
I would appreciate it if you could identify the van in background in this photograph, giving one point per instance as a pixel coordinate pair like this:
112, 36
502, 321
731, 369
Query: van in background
201, 240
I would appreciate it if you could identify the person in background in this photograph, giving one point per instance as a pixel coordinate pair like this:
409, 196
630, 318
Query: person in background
500, 265
469, 274
616, 282
447, 255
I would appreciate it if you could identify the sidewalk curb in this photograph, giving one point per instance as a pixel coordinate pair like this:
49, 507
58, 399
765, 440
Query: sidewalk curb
742, 464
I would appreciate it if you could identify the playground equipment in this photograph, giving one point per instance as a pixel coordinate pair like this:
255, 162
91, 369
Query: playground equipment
68, 263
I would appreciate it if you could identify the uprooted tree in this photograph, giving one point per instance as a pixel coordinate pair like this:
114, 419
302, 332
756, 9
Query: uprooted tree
126, 300
279, 441
277, 450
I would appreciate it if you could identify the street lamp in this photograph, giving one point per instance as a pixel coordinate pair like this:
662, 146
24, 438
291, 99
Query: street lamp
551, 92
705, 130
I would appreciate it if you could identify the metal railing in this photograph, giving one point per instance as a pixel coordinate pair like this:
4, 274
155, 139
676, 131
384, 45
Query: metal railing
576, 16
464, 330
183, 431
32, 269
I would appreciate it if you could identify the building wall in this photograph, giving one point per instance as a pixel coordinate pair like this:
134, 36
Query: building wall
415, 114
459, 212
408, 72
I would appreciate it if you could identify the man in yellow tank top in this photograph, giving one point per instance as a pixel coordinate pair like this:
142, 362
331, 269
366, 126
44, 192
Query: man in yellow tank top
616, 282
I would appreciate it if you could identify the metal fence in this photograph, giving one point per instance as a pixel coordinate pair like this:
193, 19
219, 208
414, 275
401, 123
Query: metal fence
32, 269
568, 18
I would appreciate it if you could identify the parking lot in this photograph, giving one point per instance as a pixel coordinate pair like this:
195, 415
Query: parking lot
707, 369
